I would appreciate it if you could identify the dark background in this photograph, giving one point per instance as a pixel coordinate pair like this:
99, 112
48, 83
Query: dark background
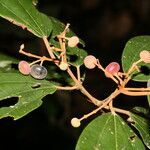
105, 26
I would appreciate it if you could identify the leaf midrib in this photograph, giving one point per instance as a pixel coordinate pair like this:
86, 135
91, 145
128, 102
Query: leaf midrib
27, 24
31, 17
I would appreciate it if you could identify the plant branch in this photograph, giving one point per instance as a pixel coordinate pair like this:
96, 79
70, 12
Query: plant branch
109, 99
49, 49
122, 111
83, 90
137, 89
78, 73
66, 88
133, 67
130, 93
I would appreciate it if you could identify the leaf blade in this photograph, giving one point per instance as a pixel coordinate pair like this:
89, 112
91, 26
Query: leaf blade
108, 132
131, 54
23, 13
28, 90
142, 125
148, 97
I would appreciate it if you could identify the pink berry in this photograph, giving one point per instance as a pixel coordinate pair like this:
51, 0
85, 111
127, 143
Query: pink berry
73, 41
145, 56
24, 67
90, 62
113, 68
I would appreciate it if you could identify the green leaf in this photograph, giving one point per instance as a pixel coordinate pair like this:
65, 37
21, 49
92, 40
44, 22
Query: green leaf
24, 14
108, 132
75, 55
6, 62
148, 97
28, 91
143, 126
131, 54
5, 57
141, 110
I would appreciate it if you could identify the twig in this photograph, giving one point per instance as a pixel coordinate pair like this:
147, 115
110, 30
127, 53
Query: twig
66, 88
122, 111
133, 67
130, 93
78, 73
109, 99
83, 90
137, 89
49, 49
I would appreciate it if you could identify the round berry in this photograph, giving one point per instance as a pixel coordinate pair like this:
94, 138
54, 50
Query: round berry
113, 68
145, 56
24, 67
63, 66
73, 41
38, 71
90, 62
75, 122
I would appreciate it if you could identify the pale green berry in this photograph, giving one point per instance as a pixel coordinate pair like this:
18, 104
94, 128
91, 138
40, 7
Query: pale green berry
63, 66
75, 122
90, 62
73, 41
145, 56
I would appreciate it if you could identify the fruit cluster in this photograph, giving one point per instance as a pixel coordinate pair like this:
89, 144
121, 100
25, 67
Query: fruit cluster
113, 68
59, 57
36, 71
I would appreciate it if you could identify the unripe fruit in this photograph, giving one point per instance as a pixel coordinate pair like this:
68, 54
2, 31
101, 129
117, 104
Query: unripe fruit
73, 41
63, 66
24, 67
90, 62
112, 68
75, 122
145, 56
38, 71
